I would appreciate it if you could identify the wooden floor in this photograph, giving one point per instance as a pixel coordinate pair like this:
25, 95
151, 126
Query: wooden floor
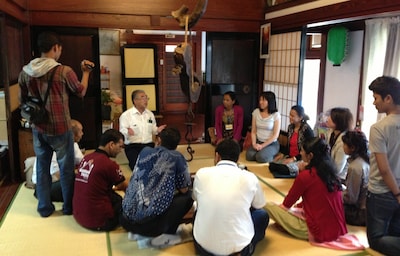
7, 192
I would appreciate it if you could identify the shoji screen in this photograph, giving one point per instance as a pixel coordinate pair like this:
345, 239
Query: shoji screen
281, 73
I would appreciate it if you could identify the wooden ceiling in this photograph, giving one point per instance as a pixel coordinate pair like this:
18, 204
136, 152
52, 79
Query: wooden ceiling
232, 15
220, 15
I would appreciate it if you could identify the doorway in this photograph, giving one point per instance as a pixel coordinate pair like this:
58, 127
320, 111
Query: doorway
231, 65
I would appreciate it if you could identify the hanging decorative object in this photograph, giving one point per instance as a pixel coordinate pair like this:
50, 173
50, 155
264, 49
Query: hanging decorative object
190, 82
337, 45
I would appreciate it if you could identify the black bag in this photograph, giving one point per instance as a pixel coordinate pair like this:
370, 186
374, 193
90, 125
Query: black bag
280, 170
33, 108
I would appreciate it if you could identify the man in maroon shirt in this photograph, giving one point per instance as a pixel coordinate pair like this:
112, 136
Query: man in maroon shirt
96, 204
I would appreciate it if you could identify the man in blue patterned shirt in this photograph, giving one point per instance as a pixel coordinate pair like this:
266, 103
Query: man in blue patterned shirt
158, 194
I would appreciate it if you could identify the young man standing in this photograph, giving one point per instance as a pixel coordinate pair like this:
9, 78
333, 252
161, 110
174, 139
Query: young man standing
383, 198
55, 135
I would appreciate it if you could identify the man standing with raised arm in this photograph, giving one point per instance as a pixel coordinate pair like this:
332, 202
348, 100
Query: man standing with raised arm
55, 135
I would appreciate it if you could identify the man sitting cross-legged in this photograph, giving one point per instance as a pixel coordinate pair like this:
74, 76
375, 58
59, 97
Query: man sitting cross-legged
158, 196
96, 205
229, 217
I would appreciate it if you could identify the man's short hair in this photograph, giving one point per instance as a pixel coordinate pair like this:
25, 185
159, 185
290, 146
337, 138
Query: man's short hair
228, 149
134, 95
170, 137
111, 135
46, 40
386, 85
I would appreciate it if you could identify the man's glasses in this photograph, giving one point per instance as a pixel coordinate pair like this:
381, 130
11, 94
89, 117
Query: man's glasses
143, 98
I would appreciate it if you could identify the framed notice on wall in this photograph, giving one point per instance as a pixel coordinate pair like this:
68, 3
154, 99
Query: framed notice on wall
265, 35
141, 64
139, 72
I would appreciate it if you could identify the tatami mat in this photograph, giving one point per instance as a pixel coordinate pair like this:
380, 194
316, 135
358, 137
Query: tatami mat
23, 232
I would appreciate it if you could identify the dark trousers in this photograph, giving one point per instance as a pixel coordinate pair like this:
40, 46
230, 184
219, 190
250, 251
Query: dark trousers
55, 192
246, 251
166, 223
132, 152
112, 223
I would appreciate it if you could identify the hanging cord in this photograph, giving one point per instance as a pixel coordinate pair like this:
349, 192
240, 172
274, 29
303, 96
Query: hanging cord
186, 27
190, 114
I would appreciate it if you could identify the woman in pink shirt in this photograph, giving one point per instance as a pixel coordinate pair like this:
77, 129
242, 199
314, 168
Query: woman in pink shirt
229, 119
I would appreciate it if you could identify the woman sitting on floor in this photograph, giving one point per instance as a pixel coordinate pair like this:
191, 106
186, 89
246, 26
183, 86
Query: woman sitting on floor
265, 128
340, 120
229, 119
355, 145
298, 131
320, 218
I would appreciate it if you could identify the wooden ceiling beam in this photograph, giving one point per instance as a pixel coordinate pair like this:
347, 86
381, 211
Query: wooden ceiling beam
41, 18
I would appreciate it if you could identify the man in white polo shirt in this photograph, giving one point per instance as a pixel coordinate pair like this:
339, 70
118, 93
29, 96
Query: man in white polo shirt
229, 203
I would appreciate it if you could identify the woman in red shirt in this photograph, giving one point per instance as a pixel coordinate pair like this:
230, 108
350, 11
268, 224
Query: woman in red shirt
320, 216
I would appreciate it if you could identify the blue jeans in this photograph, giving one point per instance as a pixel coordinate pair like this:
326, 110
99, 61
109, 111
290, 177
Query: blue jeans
265, 155
383, 223
63, 145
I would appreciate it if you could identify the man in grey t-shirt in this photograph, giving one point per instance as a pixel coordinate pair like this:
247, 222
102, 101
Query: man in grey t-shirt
383, 199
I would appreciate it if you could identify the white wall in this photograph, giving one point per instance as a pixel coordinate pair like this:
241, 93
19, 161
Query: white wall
342, 83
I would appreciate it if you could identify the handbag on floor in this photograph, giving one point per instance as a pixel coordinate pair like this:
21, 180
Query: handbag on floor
280, 170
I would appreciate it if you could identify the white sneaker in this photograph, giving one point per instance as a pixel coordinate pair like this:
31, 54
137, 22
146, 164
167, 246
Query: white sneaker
136, 237
165, 240
132, 236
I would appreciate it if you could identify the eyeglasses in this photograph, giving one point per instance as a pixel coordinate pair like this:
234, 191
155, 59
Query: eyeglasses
143, 98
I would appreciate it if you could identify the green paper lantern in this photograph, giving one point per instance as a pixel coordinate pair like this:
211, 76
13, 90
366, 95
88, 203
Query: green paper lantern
337, 45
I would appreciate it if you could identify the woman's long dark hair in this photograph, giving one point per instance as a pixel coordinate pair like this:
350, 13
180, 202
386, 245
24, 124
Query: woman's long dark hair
270, 97
358, 140
300, 112
342, 118
323, 162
